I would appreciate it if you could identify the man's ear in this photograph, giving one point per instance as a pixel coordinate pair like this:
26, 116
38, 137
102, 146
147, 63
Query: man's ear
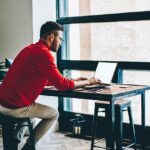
51, 37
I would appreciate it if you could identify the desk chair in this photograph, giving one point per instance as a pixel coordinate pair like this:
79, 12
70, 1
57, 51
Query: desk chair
9, 125
120, 106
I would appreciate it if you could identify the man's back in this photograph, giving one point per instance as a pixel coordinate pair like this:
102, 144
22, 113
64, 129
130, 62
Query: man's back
23, 82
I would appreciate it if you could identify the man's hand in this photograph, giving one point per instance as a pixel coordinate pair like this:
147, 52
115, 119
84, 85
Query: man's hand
94, 80
81, 82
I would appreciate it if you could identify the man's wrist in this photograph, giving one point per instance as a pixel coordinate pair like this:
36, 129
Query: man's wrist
88, 82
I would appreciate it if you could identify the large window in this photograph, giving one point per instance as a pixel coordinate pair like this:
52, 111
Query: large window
119, 41
115, 41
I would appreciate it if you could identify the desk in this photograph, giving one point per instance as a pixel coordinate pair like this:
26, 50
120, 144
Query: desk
111, 93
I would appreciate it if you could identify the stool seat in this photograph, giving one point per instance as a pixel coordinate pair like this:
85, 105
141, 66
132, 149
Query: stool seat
9, 119
9, 125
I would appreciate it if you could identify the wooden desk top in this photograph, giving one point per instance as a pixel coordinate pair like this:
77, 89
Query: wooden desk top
114, 91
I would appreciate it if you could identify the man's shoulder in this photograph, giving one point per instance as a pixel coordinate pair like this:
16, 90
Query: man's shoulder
39, 51
36, 48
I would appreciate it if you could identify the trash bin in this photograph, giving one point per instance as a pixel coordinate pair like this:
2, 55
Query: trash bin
78, 123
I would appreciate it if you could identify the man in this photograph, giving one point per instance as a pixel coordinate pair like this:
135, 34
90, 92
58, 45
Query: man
32, 69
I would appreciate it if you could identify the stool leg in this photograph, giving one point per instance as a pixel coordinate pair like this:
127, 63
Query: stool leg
94, 126
119, 127
8, 141
31, 137
132, 127
6, 137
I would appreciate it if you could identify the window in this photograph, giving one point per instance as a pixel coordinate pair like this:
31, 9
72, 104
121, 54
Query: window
119, 41
113, 41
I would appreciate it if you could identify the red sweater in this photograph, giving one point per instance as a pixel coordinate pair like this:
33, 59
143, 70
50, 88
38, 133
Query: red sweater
30, 72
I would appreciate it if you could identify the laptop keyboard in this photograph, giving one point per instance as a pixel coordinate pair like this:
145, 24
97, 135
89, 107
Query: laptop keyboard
102, 85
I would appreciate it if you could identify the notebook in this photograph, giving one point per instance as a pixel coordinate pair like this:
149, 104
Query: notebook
105, 72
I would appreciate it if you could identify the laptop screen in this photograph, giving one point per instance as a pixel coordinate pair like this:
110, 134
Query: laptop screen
105, 71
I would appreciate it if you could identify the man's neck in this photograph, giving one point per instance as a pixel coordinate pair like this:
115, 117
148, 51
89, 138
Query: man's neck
46, 42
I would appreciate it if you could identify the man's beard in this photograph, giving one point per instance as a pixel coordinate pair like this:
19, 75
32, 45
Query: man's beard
53, 48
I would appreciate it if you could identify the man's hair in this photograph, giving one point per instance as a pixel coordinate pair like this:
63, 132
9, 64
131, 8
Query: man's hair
49, 27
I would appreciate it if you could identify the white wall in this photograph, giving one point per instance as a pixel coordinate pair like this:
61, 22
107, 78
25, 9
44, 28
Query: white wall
15, 26
20, 22
43, 10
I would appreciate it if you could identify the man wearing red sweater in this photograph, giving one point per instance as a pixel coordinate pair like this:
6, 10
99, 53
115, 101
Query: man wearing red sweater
32, 69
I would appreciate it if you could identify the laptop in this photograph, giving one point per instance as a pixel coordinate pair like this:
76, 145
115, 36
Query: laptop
105, 72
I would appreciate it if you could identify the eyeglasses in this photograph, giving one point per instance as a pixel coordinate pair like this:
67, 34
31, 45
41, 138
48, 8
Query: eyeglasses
61, 39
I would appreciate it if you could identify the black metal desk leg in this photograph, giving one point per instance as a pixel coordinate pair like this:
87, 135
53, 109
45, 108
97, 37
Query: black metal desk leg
143, 109
143, 117
61, 112
111, 123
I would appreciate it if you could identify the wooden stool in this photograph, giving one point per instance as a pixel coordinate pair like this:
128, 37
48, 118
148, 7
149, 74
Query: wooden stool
9, 125
120, 106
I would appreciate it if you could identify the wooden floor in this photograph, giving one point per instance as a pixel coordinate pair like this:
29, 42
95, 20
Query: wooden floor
60, 141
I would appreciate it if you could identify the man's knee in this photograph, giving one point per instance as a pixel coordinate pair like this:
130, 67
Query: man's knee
53, 113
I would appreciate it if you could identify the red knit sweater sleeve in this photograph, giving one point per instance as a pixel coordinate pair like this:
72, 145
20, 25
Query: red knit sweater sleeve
48, 68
